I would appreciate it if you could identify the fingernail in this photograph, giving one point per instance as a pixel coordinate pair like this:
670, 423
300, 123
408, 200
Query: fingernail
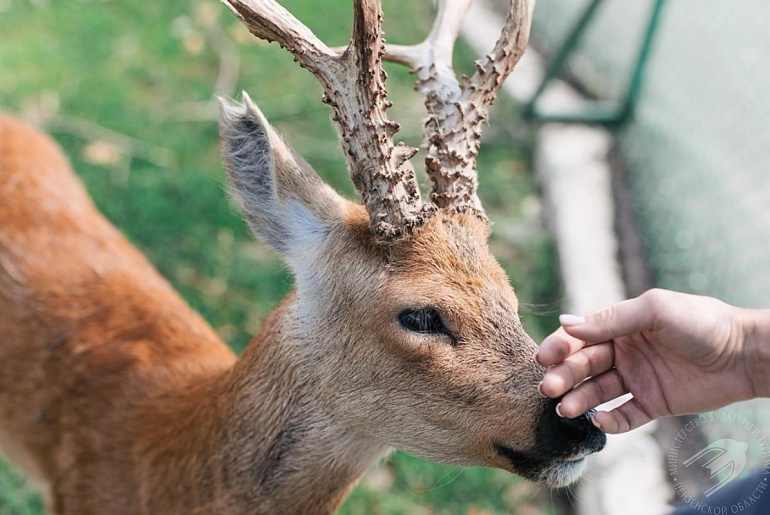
571, 320
537, 359
595, 423
558, 410
540, 389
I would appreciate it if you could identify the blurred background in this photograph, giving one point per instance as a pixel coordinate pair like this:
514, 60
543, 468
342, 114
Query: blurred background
127, 88
696, 152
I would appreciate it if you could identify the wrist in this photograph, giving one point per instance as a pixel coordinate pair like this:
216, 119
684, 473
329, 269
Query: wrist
756, 350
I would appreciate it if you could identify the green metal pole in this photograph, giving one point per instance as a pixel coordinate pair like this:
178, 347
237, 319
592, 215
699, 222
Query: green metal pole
556, 65
597, 112
637, 79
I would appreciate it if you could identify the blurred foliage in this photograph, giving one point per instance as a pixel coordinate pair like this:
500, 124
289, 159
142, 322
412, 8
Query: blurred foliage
127, 89
15, 499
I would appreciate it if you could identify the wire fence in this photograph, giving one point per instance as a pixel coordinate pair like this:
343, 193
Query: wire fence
699, 146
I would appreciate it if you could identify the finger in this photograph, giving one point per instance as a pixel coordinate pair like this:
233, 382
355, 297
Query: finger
595, 391
576, 368
557, 346
621, 319
622, 419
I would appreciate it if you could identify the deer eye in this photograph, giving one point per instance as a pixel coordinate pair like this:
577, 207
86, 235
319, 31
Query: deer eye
425, 320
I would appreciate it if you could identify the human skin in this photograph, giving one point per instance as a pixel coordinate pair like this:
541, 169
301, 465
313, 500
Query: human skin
676, 353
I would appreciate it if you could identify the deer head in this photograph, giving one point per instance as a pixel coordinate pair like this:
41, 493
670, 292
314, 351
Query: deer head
406, 325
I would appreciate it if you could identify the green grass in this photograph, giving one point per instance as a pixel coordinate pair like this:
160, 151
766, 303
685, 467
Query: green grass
126, 88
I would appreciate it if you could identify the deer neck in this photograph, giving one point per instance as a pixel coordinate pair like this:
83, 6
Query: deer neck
276, 448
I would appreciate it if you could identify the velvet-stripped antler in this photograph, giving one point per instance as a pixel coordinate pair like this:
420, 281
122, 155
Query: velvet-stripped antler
458, 108
354, 85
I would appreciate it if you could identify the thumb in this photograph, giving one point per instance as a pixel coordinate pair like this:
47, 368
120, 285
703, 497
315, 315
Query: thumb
621, 319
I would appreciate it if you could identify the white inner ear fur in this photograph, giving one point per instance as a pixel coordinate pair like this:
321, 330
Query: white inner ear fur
306, 237
285, 203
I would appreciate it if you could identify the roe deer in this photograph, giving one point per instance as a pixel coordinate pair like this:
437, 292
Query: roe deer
402, 330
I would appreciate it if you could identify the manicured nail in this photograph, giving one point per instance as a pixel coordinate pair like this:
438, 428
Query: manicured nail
537, 359
571, 320
540, 389
558, 410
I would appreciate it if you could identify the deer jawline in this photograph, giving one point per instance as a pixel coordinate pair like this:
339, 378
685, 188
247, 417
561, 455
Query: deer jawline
553, 471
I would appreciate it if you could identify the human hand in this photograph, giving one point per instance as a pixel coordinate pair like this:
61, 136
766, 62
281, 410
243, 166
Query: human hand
676, 353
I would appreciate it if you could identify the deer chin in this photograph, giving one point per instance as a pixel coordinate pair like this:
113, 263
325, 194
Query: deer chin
553, 472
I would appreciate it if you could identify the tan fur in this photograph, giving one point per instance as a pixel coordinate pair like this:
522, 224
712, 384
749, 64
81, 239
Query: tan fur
120, 399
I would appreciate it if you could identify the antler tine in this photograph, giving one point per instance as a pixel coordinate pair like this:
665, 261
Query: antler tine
438, 46
268, 20
380, 169
492, 72
457, 109
354, 86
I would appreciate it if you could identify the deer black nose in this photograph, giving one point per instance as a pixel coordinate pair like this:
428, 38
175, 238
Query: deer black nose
564, 436
576, 429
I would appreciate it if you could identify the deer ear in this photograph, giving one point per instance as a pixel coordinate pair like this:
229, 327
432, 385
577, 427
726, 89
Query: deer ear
281, 197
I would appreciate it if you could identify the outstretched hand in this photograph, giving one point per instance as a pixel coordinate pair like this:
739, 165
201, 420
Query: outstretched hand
676, 353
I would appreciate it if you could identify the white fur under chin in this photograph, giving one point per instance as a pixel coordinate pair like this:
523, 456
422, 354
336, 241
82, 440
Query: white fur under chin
563, 473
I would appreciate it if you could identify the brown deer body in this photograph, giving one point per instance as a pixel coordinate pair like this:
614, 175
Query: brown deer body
401, 332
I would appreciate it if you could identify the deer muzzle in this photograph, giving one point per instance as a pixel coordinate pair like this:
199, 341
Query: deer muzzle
558, 456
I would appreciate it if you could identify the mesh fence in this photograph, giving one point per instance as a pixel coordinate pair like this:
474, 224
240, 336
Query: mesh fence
699, 146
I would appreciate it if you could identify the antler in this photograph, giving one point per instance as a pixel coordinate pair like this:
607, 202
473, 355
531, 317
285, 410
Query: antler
354, 86
456, 109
